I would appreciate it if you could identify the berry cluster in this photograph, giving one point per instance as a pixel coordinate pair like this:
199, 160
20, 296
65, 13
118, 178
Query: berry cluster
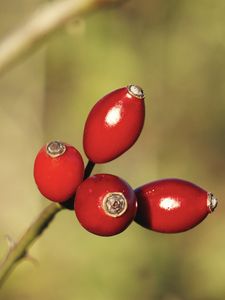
106, 204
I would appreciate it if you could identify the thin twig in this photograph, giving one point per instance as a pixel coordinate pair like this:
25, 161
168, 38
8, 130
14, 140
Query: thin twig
41, 25
19, 250
88, 169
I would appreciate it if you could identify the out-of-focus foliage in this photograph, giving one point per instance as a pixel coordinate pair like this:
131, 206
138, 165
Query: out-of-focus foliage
175, 50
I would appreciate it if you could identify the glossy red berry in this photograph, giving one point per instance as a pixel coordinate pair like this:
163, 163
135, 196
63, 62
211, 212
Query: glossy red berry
105, 204
58, 170
114, 124
172, 205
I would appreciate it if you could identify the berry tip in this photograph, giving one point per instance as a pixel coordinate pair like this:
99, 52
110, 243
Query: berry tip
55, 148
212, 202
114, 204
136, 91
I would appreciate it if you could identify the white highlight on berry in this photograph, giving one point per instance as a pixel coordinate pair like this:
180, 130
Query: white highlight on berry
114, 115
169, 203
136, 91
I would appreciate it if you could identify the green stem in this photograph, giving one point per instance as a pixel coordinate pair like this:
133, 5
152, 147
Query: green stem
19, 251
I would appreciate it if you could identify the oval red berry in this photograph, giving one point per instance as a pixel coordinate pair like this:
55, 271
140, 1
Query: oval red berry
58, 170
172, 205
114, 124
105, 204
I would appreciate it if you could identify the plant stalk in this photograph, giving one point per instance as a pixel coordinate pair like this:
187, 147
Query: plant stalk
42, 24
20, 249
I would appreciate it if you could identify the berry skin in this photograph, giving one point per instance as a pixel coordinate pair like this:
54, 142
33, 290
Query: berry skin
58, 170
105, 204
114, 124
172, 205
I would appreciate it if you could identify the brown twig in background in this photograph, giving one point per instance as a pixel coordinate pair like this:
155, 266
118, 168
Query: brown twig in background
42, 24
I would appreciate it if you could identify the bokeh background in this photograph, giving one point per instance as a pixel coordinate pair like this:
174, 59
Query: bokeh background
175, 50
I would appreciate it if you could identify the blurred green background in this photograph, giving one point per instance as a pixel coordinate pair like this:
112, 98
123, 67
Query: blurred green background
175, 50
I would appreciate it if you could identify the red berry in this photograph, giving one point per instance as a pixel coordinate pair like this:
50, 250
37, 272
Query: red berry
114, 124
172, 205
58, 170
105, 204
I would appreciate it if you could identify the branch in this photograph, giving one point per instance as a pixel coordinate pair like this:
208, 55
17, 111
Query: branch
42, 24
20, 249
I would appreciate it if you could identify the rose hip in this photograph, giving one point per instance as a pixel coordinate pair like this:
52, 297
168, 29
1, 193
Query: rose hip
172, 205
105, 204
58, 170
114, 124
